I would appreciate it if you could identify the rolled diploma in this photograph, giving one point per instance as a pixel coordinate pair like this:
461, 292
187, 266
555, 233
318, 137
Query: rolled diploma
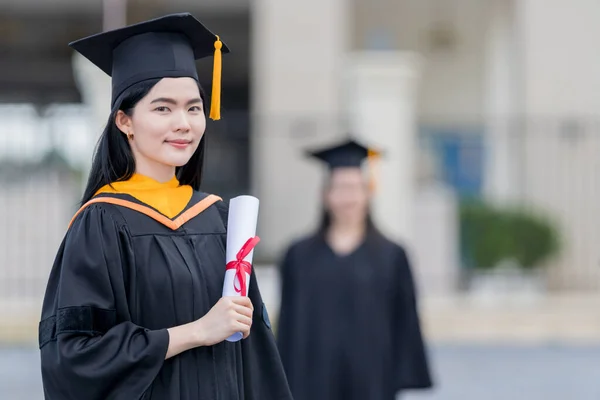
241, 226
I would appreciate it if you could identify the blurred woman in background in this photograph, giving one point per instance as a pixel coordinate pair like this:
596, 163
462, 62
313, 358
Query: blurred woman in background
348, 326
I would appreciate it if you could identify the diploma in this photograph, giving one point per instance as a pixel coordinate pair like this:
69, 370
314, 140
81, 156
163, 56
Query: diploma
241, 239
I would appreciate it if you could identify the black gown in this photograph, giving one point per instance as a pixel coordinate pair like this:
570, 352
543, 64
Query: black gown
348, 326
120, 279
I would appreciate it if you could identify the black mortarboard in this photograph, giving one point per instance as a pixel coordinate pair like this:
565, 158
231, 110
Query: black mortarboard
158, 48
348, 154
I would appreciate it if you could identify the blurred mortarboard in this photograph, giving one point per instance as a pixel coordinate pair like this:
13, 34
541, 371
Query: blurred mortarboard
165, 47
347, 154
350, 153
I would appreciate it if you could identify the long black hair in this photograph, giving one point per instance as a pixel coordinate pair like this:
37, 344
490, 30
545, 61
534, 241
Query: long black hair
113, 160
325, 222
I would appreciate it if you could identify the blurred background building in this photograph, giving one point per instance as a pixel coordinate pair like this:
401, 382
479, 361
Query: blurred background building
488, 112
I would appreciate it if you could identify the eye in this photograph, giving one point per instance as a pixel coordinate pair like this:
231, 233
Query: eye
195, 109
162, 109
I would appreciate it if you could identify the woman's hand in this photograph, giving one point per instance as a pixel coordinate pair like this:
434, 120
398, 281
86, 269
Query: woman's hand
228, 316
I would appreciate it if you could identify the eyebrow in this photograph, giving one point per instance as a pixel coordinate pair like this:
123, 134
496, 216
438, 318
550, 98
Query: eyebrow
172, 101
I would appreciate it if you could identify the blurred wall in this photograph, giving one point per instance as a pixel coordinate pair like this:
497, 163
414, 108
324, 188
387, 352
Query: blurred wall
560, 144
560, 66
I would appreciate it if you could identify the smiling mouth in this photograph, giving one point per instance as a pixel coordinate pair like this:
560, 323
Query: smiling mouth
179, 143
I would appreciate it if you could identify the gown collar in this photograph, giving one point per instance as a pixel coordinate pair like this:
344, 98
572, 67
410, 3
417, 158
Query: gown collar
169, 198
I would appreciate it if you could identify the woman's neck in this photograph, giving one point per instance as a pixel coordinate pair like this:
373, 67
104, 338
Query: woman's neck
345, 237
159, 172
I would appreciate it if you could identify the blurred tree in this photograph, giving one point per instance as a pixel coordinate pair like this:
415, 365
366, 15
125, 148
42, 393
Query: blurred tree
490, 235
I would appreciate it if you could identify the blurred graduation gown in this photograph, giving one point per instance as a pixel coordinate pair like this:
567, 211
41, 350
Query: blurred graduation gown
348, 326
142, 257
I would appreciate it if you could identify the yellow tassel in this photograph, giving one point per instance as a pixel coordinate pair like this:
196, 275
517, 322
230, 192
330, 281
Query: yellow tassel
372, 157
215, 100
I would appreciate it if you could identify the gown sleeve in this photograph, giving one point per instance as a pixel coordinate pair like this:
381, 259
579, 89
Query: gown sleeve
285, 324
411, 358
89, 347
264, 376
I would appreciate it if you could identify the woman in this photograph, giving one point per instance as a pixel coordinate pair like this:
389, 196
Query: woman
348, 326
133, 306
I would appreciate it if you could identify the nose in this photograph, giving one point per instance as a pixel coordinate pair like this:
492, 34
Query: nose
181, 122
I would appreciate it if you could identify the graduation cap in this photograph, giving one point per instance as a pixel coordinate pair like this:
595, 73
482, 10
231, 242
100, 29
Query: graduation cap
165, 47
348, 154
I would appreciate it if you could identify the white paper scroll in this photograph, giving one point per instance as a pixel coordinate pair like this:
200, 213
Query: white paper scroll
241, 226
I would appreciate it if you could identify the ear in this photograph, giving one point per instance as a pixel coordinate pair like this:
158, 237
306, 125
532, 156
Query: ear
123, 122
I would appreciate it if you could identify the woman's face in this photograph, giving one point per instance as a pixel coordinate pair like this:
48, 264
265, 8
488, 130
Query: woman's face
167, 124
347, 196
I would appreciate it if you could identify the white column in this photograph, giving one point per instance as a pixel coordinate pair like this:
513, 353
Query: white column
296, 51
380, 90
93, 84
502, 136
95, 88
114, 14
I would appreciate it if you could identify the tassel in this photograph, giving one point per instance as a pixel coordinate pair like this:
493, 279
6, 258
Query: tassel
371, 160
215, 100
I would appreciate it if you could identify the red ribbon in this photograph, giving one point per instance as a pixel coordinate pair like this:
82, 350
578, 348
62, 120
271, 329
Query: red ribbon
241, 266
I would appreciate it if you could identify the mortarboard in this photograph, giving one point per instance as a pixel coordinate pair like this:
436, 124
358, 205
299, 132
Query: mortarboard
165, 47
348, 154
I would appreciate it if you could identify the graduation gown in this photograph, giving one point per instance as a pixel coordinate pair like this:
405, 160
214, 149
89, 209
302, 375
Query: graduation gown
348, 326
124, 275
